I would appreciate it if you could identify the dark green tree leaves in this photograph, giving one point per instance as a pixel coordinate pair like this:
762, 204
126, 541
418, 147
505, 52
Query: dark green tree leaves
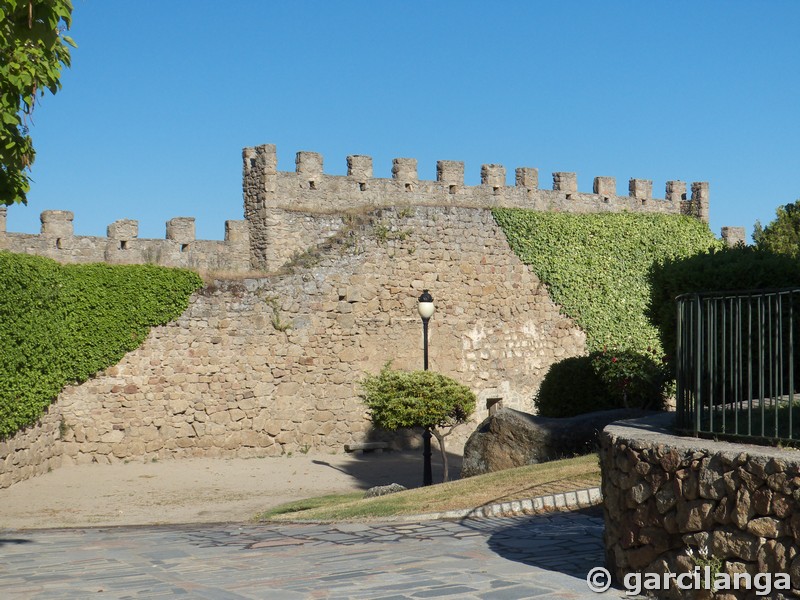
782, 235
33, 50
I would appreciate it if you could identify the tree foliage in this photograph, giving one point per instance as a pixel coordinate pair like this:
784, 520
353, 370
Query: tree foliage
728, 269
404, 399
60, 324
33, 50
782, 235
399, 399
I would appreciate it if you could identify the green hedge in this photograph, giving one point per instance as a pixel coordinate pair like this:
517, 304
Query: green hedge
59, 324
602, 381
596, 266
572, 387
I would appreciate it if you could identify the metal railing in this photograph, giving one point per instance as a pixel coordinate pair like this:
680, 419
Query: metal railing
736, 365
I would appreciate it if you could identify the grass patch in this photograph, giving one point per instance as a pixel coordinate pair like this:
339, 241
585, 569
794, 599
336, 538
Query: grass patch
503, 486
309, 504
773, 421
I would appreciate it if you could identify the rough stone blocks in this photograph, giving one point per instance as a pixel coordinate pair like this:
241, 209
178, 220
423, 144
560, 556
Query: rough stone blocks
124, 229
527, 177
57, 223
493, 175
181, 230
404, 169
450, 172
359, 167
641, 188
605, 186
565, 182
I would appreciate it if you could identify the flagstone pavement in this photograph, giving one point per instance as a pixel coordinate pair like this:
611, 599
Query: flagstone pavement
543, 557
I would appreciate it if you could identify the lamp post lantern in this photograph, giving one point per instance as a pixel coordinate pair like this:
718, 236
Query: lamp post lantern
425, 307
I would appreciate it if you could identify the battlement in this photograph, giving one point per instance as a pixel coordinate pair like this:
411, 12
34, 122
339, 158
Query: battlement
288, 213
122, 244
309, 189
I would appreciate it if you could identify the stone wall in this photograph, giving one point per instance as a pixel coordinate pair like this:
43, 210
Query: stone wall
268, 366
286, 213
734, 236
664, 494
123, 246
271, 196
33, 451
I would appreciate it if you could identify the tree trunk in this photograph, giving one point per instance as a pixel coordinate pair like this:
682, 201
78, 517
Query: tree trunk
440, 438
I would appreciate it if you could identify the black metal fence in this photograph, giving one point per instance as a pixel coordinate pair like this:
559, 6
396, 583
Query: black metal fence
737, 364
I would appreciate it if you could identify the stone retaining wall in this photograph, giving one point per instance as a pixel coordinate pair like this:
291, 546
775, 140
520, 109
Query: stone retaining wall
268, 366
33, 451
664, 494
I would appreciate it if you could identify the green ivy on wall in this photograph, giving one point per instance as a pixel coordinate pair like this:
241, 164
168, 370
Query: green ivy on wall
596, 266
60, 324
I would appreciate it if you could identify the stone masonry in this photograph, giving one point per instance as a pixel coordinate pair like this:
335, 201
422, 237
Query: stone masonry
664, 494
123, 246
268, 366
271, 364
288, 212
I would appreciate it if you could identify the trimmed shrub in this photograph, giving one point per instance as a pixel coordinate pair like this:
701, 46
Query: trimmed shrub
602, 381
632, 379
60, 324
404, 399
571, 387
398, 399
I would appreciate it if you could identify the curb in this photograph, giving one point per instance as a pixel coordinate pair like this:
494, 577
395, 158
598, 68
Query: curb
560, 502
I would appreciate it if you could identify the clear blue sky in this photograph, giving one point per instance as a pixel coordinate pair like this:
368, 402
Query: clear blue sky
163, 95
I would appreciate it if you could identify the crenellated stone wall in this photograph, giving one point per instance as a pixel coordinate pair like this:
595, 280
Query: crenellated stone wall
271, 365
286, 213
273, 199
122, 244
665, 494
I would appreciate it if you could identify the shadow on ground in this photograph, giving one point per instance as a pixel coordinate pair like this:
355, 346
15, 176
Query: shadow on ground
568, 542
402, 462
391, 466
13, 541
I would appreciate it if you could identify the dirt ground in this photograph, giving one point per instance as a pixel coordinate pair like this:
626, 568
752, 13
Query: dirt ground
198, 490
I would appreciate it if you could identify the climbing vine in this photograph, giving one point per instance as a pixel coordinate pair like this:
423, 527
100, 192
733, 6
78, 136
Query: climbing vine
60, 324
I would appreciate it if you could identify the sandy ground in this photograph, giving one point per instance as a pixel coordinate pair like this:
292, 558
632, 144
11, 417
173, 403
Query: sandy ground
197, 490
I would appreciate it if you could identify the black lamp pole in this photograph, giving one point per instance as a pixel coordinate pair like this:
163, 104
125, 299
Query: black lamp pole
425, 342
426, 308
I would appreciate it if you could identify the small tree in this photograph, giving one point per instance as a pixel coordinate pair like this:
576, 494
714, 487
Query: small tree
782, 235
401, 399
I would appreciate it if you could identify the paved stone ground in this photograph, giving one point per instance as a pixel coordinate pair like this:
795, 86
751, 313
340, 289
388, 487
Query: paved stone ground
543, 557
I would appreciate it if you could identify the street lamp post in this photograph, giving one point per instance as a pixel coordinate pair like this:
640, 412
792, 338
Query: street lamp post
426, 308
